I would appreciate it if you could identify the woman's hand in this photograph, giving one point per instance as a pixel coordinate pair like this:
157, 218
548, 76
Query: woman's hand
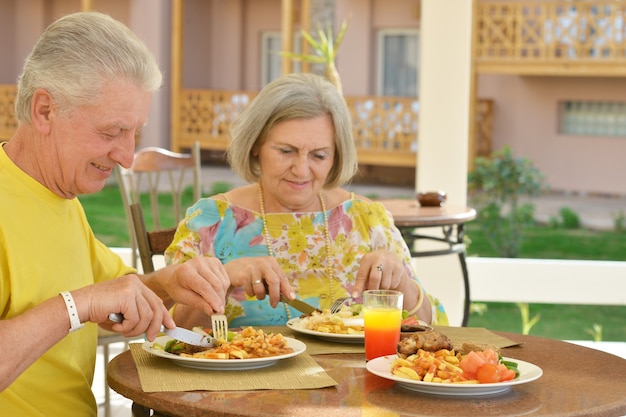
259, 276
383, 270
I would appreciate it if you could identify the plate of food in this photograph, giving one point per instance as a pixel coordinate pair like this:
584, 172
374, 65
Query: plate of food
383, 365
237, 354
343, 326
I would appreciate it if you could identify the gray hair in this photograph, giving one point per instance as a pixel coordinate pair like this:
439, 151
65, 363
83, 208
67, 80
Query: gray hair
293, 96
77, 55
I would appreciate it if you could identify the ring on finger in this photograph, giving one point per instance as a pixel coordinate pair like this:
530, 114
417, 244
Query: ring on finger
380, 267
258, 281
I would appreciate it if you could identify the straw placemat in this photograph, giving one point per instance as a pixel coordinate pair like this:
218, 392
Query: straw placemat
458, 335
479, 335
158, 374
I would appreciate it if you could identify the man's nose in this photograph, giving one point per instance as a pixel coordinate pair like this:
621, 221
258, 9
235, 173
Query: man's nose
124, 151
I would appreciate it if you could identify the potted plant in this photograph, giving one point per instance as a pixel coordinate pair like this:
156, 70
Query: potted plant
325, 51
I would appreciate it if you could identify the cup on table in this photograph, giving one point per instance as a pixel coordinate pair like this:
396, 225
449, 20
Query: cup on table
432, 198
382, 313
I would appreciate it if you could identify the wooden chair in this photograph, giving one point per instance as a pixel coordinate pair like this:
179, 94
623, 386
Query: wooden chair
152, 163
150, 243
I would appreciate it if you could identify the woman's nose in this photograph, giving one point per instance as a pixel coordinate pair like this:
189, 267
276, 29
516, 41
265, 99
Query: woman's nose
301, 165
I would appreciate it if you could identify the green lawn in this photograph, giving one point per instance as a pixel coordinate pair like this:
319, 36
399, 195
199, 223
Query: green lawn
558, 321
544, 242
107, 218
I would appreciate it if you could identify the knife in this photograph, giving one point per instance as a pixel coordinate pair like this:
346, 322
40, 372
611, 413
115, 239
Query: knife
178, 333
299, 305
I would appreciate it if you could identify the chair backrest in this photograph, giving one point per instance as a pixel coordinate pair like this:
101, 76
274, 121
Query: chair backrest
149, 243
145, 175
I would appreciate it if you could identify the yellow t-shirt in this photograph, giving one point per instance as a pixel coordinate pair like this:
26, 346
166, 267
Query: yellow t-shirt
47, 246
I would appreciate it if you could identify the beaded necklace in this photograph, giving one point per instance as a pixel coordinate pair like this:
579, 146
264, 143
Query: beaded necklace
266, 236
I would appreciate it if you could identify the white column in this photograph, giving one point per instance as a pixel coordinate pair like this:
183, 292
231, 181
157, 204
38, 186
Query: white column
444, 97
443, 130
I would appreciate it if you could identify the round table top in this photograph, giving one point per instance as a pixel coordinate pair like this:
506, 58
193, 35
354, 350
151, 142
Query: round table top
576, 381
409, 213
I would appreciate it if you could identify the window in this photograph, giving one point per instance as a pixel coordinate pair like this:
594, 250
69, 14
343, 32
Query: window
271, 45
398, 63
597, 118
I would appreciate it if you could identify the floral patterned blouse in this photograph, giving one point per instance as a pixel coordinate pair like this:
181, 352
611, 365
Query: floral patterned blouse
214, 227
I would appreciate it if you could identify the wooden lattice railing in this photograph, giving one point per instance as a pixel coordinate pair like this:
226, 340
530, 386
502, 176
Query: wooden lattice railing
8, 123
385, 128
206, 115
552, 37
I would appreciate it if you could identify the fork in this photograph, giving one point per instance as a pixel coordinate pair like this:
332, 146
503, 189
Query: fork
338, 303
219, 324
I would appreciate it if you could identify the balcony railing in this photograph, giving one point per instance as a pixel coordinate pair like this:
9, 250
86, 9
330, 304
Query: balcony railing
552, 38
8, 124
385, 128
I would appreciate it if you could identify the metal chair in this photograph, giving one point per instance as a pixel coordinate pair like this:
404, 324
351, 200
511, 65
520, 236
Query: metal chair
105, 338
151, 163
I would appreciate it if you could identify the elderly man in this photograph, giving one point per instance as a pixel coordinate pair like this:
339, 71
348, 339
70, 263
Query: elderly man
84, 93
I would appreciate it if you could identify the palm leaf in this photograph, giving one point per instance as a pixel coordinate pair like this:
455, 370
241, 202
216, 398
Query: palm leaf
303, 57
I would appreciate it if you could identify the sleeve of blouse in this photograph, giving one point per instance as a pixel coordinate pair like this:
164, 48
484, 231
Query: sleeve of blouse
385, 235
187, 240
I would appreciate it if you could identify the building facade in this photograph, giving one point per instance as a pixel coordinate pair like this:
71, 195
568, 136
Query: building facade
562, 104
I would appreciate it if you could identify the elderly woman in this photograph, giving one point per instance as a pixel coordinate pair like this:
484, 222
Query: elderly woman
293, 229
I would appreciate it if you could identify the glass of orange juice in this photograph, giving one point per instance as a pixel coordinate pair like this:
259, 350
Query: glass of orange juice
382, 313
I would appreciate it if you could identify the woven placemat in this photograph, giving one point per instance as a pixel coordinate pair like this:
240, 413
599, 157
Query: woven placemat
476, 335
300, 372
158, 374
318, 346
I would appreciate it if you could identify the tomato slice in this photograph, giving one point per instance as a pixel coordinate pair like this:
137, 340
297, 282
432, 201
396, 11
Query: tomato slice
410, 321
505, 373
488, 373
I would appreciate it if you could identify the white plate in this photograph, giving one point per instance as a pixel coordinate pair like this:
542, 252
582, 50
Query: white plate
294, 324
223, 364
382, 367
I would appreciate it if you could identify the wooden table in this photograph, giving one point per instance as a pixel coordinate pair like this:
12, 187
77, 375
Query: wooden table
576, 381
409, 216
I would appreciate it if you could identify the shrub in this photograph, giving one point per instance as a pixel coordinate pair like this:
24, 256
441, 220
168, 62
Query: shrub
569, 218
495, 186
619, 221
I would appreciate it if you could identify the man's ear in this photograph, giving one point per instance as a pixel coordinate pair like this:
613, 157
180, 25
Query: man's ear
41, 110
